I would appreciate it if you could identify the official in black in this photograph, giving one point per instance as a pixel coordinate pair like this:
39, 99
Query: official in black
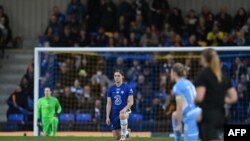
213, 91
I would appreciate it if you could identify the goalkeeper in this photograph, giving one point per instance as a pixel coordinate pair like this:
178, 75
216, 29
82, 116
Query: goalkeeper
48, 109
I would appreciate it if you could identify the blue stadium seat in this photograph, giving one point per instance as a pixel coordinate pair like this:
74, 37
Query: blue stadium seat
135, 122
83, 117
16, 118
66, 117
135, 117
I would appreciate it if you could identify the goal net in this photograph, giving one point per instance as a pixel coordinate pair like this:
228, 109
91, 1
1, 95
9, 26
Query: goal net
80, 77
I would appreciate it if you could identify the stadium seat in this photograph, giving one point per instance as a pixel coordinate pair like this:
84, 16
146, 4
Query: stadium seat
135, 117
66, 117
16, 118
135, 121
83, 117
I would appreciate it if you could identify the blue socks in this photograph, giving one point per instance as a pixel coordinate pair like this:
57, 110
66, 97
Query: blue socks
177, 135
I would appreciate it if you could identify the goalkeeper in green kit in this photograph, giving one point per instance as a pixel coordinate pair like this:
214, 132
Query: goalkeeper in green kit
48, 109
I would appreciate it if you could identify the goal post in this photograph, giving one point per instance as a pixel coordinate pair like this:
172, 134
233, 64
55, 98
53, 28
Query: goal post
226, 51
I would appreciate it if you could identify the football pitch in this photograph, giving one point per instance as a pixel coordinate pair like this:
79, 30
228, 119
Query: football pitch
79, 139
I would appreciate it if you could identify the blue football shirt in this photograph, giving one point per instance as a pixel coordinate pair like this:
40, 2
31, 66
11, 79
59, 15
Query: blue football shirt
186, 89
119, 96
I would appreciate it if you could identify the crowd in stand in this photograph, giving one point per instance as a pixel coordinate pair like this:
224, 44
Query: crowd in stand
141, 24
80, 82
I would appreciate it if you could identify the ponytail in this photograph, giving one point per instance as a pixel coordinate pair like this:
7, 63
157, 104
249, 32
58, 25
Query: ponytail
215, 67
213, 62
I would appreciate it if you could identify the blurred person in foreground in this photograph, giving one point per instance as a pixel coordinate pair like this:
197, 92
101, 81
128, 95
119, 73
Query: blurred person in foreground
48, 109
213, 91
186, 109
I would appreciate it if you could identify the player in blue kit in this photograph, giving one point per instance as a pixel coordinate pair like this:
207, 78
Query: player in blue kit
119, 101
186, 110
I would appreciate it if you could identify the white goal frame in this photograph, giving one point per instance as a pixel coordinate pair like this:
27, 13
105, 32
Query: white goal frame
38, 50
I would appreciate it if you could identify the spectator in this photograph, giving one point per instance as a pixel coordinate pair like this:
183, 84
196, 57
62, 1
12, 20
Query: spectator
83, 41
141, 7
66, 37
26, 88
133, 42
48, 35
74, 26
123, 27
101, 38
156, 110
124, 10
166, 35
101, 79
227, 41
159, 10
103, 92
30, 76
167, 65
76, 89
18, 103
59, 15
243, 81
68, 101
124, 42
87, 95
56, 41
111, 42
175, 20
215, 37
108, 15
139, 104
53, 23
240, 18
134, 71
208, 17
192, 21
64, 75
84, 71
238, 68
86, 100
119, 64
5, 30
241, 105
97, 112
201, 31
75, 7
93, 15
58, 90
154, 37
117, 39
192, 42
169, 107
177, 41
144, 88
224, 20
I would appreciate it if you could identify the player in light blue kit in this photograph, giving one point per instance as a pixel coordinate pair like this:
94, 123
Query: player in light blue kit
119, 102
186, 110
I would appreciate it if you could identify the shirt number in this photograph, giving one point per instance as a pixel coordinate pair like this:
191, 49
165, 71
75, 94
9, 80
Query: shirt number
118, 100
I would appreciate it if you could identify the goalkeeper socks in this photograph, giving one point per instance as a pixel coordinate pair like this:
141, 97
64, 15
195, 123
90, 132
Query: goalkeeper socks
124, 126
177, 135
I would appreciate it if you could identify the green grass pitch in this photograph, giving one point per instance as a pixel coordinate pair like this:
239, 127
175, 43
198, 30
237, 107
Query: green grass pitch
78, 139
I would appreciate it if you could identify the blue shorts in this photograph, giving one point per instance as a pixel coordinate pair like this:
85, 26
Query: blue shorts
115, 119
191, 129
